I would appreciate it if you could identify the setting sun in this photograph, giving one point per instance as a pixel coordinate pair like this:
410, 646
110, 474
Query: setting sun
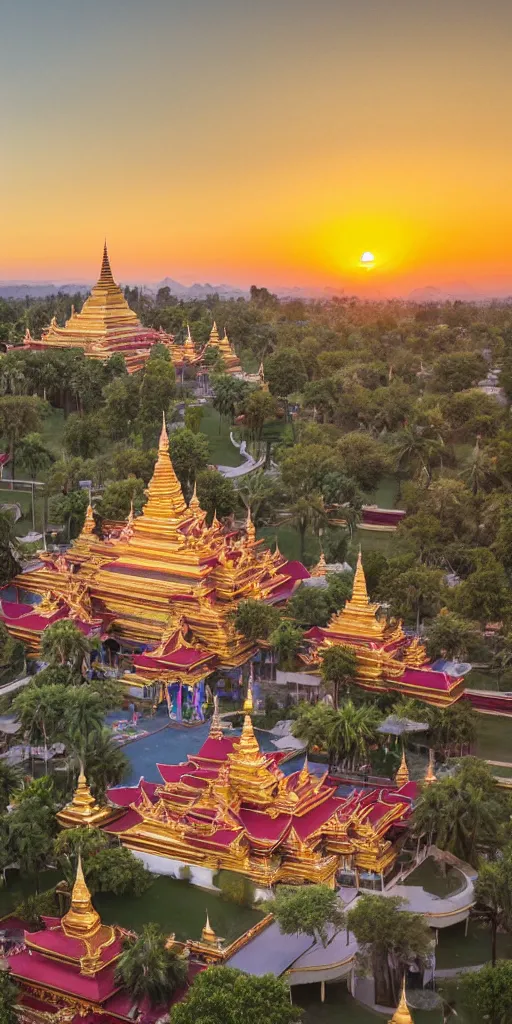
367, 258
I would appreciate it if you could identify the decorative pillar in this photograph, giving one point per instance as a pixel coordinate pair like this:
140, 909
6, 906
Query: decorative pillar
179, 703
322, 991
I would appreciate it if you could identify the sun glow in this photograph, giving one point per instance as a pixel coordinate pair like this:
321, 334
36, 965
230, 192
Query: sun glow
367, 259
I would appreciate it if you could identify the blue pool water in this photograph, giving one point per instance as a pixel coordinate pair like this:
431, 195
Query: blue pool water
171, 745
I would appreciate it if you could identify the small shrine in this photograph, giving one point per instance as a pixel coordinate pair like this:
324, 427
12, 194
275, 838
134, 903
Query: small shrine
224, 347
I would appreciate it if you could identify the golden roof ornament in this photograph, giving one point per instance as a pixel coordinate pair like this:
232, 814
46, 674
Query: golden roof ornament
247, 747
214, 334
402, 1013
106, 277
82, 921
89, 523
402, 775
359, 591
250, 528
320, 568
193, 504
430, 775
84, 809
49, 605
164, 493
415, 655
304, 773
216, 732
208, 935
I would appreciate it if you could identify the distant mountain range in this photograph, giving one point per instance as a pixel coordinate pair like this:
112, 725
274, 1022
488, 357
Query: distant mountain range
430, 293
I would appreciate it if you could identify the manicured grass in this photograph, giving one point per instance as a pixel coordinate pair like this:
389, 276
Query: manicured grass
386, 494
18, 888
455, 950
223, 453
339, 1007
429, 875
494, 739
179, 907
53, 429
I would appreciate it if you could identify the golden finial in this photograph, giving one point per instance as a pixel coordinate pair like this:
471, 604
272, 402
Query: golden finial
248, 702
106, 273
320, 568
415, 654
250, 528
430, 775
193, 504
82, 921
360, 597
402, 1013
214, 334
402, 775
165, 497
89, 524
208, 935
247, 747
216, 732
304, 772
163, 443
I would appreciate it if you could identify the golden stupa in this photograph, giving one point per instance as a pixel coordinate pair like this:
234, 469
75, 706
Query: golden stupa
225, 348
402, 1014
105, 326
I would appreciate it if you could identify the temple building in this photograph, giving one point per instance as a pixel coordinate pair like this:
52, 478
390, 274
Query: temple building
231, 806
66, 971
387, 658
225, 349
163, 587
105, 326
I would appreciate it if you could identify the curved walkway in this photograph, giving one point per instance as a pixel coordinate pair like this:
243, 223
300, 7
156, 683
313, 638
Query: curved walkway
248, 466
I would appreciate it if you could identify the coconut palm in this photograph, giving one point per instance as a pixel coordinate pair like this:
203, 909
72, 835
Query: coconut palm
149, 970
83, 714
306, 512
62, 643
313, 726
493, 894
413, 449
479, 470
105, 764
352, 731
259, 493
286, 641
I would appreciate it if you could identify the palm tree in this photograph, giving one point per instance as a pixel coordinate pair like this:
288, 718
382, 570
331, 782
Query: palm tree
493, 894
257, 492
83, 714
479, 471
149, 970
414, 449
352, 732
34, 454
105, 764
338, 668
313, 725
9, 781
63, 644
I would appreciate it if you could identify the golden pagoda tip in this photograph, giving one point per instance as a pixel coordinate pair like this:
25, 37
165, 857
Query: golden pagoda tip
402, 1014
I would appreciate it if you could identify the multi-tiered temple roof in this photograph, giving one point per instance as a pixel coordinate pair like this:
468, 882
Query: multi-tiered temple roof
231, 806
105, 326
387, 659
166, 581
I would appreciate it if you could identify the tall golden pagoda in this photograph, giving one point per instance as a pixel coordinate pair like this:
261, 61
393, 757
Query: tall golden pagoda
166, 581
224, 346
402, 1014
105, 326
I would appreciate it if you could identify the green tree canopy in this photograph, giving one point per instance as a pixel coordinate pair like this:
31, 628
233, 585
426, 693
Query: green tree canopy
147, 969
223, 995
486, 995
312, 910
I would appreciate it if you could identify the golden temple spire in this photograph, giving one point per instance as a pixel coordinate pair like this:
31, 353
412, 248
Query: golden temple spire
250, 527
320, 568
89, 524
247, 746
216, 732
82, 921
83, 809
402, 1013
165, 496
193, 504
430, 775
214, 334
208, 935
304, 772
402, 775
359, 597
105, 273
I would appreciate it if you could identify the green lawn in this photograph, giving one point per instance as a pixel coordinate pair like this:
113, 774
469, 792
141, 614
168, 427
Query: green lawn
341, 1008
494, 739
454, 949
385, 495
223, 453
430, 876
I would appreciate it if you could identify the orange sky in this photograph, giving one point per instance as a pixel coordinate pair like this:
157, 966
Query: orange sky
269, 142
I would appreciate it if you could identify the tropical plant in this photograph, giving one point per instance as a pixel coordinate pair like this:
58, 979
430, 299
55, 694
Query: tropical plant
314, 910
493, 895
224, 995
313, 724
286, 641
148, 969
34, 454
338, 668
255, 620
8, 999
62, 643
390, 939
352, 731
9, 564
486, 994
9, 781
105, 763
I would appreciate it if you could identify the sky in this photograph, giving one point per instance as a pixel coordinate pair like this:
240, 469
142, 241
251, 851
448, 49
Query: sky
258, 141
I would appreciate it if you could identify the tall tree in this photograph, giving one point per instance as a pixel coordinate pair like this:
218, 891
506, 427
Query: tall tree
486, 995
62, 643
34, 454
312, 910
19, 415
390, 939
493, 895
338, 669
223, 995
147, 969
